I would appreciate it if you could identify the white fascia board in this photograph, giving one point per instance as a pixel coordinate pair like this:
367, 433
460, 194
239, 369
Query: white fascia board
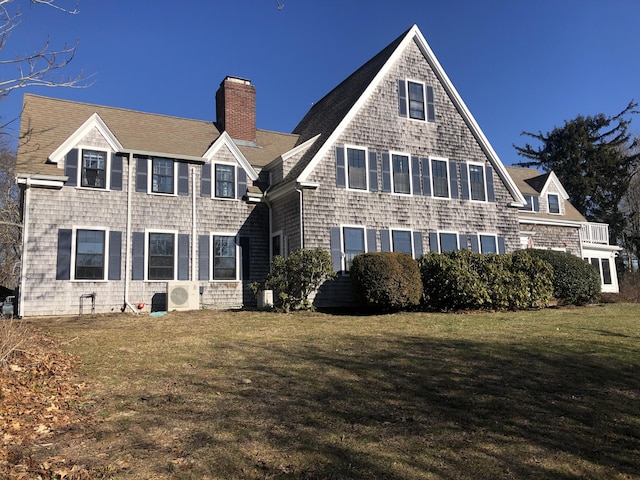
174, 156
598, 247
225, 139
94, 121
550, 222
49, 181
294, 151
281, 190
555, 180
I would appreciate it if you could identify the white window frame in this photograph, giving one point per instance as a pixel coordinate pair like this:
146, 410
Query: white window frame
559, 212
410, 232
448, 232
484, 180
366, 167
531, 207
107, 173
393, 183
213, 180
147, 253
432, 178
105, 258
486, 234
212, 236
424, 99
343, 246
150, 177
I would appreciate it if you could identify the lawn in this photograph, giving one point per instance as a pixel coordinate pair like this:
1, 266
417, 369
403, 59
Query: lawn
550, 394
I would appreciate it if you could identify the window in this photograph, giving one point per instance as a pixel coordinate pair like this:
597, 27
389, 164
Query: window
416, 100
90, 248
401, 175
161, 256
440, 175
225, 181
528, 207
448, 242
554, 203
476, 182
94, 169
224, 257
276, 245
353, 244
163, 175
488, 244
606, 271
402, 241
357, 168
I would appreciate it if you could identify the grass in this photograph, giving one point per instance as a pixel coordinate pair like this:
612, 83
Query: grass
551, 394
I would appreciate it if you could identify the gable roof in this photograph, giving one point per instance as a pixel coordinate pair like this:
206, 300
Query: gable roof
329, 116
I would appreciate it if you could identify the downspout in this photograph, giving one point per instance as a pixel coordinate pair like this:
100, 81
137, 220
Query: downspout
194, 231
25, 233
127, 268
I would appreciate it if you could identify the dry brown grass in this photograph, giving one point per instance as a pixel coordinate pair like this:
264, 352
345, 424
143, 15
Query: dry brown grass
251, 395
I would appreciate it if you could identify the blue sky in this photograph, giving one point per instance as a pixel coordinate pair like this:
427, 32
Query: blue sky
519, 65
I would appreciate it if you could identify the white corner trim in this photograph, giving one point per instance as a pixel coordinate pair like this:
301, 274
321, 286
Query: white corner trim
94, 121
225, 139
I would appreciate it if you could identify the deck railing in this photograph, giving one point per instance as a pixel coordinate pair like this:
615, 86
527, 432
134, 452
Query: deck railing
595, 233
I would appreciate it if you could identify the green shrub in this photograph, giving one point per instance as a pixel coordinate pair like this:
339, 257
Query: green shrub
295, 278
575, 282
388, 280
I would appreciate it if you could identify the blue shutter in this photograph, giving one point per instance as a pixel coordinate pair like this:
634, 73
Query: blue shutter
245, 258
453, 179
341, 173
183, 256
241, 188
183, 179
491, 195
463, 244
141, 174
372, 242
71, 167
433, 242
336, 248
417, 245
116, 172
203, 257
426, 179
536, 203
385, 241
63, 262
431, 109
501, 245
373, 172
402, 98
464, 181
137, 254
205, 180
386, 172
415, 176
115, 255
475, 245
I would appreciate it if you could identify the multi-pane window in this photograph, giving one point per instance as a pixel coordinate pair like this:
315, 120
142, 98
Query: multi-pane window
401, 176
94, 169
554, 203
448, 242
224, 257
353, 244
225, 181
402, 241
529, 205
488, 244
440, 177
163, 175
90, 247
476, 182
416, 100
357, 168
161, 256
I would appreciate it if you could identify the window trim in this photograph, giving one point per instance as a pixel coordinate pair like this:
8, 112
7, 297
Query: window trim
487, 234
343, 246
107, 172
432, 177
214, 182
484, 181
549, 195
392, 172
237, 266
366, 167
448, 232
392, 244
74, 252
147, 252
150, 177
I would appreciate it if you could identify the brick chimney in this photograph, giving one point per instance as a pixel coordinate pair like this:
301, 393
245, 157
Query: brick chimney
236, 108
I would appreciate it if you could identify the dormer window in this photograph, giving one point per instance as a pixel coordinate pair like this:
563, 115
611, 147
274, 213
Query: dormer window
163, 174
94, 169
554, 203
532, 205
225, 181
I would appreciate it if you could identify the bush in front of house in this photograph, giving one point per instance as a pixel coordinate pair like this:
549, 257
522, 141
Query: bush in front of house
295, 278
387, 280
575, 281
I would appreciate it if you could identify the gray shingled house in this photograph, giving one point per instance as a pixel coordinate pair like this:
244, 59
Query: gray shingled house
131, 210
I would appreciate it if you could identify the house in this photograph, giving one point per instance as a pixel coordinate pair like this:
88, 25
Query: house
138, 211
548, 220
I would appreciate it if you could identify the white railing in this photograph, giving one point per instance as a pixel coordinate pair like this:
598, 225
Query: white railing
595, 233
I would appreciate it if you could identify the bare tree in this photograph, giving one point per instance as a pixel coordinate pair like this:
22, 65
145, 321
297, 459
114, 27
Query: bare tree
10, 227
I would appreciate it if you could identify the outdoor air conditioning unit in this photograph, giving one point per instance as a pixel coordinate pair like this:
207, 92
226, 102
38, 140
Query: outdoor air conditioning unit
183, 296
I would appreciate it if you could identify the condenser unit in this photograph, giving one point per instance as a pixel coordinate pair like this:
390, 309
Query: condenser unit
183, 296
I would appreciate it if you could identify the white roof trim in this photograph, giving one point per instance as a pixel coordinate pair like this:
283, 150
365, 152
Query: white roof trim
553, 178
415, 34
225, 139
550, 221
94, 121
294, 151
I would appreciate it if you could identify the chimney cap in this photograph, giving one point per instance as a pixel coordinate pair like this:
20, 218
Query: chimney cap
231, 78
